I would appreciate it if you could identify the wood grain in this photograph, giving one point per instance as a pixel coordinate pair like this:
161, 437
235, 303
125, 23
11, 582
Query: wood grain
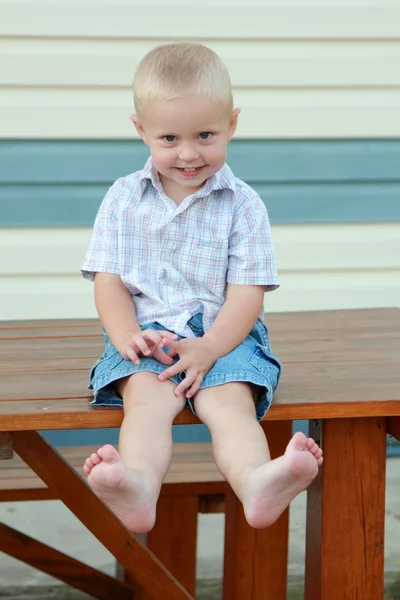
6, 446
145, 569
311, 382
255, 563
174, 537
192, 471
346, 512
62, 567
393, 427
337, 364
76, 413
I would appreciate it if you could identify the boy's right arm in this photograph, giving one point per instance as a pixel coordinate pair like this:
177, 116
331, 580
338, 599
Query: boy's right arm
117, 315
115, 308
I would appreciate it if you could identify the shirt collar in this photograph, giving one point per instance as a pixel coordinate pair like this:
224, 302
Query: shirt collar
223, 179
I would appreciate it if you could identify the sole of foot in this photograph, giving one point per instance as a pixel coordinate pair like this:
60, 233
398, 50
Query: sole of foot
270, 488
129, 494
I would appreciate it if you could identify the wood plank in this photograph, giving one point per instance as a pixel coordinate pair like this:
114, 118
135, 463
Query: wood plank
26, 495
317, 321
360, 381
255, 563
192, 471
31, 365
145, 568
327, 350
339, 382
62, 567
346, 512
75, 413
174, 538
393, 427
6, 446
20, 350
311, 321
51, 332
32, 324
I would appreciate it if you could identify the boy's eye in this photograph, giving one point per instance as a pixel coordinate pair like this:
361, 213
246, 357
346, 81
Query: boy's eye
205, 135
169, 138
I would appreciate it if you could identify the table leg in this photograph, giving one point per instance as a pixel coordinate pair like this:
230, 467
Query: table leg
346, 511
255, 565
393, 427
173, 539
146, 570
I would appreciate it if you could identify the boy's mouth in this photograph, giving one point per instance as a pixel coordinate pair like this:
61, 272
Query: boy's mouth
190, 171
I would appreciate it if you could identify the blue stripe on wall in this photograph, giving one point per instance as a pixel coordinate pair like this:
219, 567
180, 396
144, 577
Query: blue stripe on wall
61, 183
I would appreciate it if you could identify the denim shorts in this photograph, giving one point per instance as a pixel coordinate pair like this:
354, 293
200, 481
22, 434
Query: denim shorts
251, 362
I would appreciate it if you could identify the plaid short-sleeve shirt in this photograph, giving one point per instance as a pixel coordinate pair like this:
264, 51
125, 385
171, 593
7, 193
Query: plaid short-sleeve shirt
177, 260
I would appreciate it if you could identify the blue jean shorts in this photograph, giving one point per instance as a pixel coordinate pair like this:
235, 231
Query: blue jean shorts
251, 362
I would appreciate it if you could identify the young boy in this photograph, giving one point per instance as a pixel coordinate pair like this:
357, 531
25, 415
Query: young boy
181, 255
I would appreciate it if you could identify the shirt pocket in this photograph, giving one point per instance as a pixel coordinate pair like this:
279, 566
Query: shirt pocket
204, 264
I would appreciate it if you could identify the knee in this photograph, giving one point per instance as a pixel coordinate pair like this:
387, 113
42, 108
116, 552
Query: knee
236, 396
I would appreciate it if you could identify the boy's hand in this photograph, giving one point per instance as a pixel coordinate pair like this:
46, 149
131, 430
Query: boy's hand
196, 357
148, 343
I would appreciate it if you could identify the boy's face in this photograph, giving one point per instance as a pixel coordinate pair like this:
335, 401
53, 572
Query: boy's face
187, 138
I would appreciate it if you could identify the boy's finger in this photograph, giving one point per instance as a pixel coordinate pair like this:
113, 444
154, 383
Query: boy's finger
186, 383
163, 357
168, 335
154, 336
174, 370
142, 345
171, 343
194, 387
133, 356
171, 352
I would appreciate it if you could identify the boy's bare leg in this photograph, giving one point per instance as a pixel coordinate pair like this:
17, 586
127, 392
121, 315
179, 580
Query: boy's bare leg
129, 482
241, 452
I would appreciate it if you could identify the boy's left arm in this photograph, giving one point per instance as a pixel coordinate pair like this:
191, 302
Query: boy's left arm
236, 318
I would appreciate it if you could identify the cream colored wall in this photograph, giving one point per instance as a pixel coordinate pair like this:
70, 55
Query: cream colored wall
299, 68
321, 267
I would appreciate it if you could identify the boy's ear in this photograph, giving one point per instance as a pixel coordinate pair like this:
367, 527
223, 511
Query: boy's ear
139, 127
233, 123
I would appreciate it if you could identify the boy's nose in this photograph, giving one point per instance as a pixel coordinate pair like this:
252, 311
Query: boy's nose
188, 153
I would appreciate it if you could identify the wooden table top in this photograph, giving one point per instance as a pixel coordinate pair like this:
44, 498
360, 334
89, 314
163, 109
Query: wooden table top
337, 364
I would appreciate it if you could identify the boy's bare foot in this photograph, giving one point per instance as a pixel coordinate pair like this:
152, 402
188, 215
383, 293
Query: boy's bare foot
130, 495
270, 488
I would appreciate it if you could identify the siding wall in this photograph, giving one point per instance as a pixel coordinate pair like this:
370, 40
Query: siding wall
320, 81
299, 69
321, 266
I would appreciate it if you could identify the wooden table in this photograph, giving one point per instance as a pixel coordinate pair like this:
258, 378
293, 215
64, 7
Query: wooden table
342, 372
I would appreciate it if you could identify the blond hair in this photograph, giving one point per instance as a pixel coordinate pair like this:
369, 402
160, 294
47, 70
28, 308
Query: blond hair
181, 69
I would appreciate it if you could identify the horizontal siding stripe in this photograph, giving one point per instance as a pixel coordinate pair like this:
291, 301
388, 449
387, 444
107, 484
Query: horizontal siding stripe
299, 69
314, 248
321, 267
62, 183
76, 205
93, 113
106, 63
148, 19
256, 160
41, 297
